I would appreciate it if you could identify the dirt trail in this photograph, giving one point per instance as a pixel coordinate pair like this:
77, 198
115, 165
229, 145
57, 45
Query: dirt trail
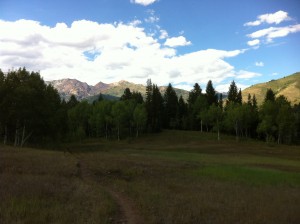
127, 211
128, 214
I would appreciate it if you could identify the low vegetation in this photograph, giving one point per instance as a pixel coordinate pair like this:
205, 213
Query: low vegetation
288, 86
170, 177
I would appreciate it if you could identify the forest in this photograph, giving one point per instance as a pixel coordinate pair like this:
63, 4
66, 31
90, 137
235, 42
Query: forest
33, 113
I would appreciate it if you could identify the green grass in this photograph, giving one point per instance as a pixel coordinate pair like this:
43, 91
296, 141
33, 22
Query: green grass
251, 175
171, 177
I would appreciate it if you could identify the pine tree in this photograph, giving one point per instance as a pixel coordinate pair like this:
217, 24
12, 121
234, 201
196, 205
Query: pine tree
182, 113
192, 110
270, 96
254, 102
232, 93
137, 96
220, 103
239, 98
249, 100
194, 93
170, 107
211, 95
127, 95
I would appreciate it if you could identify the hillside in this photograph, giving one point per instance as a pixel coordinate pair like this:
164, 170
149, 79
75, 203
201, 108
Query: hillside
68, 87
288, 86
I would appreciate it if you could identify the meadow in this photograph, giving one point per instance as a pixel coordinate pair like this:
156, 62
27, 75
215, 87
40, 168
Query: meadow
170, 177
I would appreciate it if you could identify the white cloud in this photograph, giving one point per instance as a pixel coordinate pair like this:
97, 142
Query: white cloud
275, 32
93, 52
143, 2
152, 19
276, 18
135, 22
224, 88
163, 34
259, 64
177, 41
242, 74
253, 42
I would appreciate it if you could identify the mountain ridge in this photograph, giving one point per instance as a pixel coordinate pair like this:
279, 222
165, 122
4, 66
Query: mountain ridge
289, 86
67, 87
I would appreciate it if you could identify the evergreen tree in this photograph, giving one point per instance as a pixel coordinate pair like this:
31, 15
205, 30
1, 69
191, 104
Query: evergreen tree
154, 107
30, 110
211, 95
157, 110
270, 96
192, 109
182, 113
193, 94
72, 102
220, 103
170, 107
137, 96
239, 98
249, 100
254, 102
127, 95
232, 93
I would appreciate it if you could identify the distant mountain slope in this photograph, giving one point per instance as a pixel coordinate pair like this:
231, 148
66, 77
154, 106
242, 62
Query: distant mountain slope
68, 87
288, 86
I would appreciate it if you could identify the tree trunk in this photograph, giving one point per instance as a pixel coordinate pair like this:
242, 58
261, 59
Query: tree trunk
16, 135
201, 126
5, 135
118, 132
25, 138
137, 130
218, 131
236, 131
106, 130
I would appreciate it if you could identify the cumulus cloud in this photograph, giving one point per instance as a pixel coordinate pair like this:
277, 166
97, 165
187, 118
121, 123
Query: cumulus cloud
275, 32
276, 18
177, 41
143, 2
93, 52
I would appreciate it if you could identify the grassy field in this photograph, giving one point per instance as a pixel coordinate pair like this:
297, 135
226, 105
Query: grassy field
171, 177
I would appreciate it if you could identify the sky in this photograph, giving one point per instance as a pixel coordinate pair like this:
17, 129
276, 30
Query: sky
167, 41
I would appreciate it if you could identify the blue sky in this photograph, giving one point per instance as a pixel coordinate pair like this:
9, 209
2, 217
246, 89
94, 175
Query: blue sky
175, 41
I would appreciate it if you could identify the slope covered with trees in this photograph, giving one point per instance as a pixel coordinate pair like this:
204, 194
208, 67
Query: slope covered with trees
31, 111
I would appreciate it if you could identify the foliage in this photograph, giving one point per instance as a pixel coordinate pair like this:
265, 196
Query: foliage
31, 111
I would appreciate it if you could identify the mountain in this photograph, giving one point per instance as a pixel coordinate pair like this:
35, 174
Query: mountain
68, 87
288, 86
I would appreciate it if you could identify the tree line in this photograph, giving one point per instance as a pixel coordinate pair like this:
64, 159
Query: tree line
33, 112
